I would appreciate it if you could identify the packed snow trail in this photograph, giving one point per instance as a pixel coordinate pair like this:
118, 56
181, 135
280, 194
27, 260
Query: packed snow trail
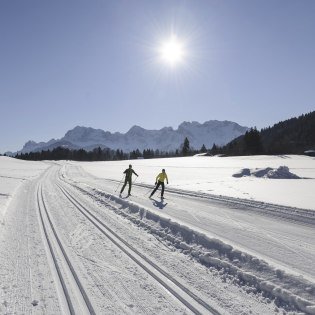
111, 282
196, 305
89, 285
198, 301
83, 304
82, 218
287, 243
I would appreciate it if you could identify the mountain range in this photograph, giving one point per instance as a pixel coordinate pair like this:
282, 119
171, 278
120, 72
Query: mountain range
165, 139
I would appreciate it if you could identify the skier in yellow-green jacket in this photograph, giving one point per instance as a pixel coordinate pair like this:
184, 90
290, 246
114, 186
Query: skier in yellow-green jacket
160, 182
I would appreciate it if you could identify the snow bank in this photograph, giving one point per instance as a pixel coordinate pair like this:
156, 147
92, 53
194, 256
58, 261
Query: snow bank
245, 269
282, 172
242, 173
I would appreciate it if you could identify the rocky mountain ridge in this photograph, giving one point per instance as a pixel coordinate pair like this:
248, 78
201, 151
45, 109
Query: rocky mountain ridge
165, 139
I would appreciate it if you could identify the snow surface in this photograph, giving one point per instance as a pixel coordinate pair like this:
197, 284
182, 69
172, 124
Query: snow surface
237, 255
12, 174
214, 175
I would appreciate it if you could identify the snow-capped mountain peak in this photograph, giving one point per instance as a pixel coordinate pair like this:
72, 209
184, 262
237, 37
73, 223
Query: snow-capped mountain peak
135, 130
165, 139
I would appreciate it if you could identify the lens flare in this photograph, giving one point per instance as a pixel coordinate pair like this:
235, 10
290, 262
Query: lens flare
172, 51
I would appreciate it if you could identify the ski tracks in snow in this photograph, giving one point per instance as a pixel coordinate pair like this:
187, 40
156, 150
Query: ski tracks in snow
109, 298
179, 291
72, 296
78, 250
276, 282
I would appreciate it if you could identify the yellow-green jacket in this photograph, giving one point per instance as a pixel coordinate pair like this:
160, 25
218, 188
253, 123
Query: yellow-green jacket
161, 177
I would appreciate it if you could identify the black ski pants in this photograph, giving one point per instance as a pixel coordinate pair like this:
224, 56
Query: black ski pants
127, 181
156, 188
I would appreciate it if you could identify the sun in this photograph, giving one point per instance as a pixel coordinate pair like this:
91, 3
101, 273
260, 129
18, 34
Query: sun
172, 51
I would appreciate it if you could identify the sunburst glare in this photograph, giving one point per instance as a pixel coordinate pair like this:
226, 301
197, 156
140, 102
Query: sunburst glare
172, 51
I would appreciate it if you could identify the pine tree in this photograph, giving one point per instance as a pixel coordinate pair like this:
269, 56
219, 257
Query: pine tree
214, 149
186, 147
203, 149
252, 141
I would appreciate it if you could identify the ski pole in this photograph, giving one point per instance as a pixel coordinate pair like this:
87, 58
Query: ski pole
148, 191
119, 183
134, 180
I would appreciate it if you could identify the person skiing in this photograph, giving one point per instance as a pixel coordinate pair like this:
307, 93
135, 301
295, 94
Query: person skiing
128, 179
160, 182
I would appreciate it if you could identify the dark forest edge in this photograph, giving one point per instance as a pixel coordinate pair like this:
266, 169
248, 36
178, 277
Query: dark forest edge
107, 154
292, 136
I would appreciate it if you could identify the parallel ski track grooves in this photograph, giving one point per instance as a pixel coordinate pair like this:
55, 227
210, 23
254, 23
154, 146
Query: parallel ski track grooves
306, 216
65, 256
208, 308
64, 287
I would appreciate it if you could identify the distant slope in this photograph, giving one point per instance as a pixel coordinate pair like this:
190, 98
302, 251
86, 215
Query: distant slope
165, 139
292, 136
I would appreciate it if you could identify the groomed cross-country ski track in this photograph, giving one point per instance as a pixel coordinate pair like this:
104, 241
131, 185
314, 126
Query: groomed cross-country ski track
71, 245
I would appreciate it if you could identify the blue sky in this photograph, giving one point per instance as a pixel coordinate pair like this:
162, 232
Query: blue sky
95, 63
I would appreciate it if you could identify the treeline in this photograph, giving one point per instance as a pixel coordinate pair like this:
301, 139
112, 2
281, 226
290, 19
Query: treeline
248, 144
292, 136
61, 153
99, 154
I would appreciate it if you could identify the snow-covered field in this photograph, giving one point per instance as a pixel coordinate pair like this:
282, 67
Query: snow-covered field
219, 243
12, 174
214, 175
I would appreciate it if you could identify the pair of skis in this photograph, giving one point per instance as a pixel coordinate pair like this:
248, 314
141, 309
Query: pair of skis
121, 182
134, 195
132, 184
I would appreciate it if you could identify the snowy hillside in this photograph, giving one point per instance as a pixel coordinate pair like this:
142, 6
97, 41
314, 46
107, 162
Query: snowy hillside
166, 139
